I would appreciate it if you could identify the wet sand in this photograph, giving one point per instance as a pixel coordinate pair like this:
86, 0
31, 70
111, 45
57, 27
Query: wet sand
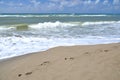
90, 62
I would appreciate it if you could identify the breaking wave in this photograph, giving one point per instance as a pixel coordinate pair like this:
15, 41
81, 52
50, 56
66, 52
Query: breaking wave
100, 23
15, 42
51, 25
57, 24
15, 46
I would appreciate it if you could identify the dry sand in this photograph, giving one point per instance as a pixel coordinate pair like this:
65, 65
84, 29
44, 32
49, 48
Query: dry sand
96, 62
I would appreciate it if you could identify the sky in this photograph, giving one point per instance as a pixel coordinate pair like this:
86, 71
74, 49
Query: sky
59, 6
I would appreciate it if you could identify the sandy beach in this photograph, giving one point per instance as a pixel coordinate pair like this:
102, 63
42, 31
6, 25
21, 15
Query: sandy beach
91, 62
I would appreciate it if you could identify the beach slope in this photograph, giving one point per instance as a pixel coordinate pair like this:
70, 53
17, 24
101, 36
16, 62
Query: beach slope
91, 62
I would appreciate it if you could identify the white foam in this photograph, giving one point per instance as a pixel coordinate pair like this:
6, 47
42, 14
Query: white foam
6, 27
51, 25
15, 46
56, 15
80, 15
99, 15
100, 23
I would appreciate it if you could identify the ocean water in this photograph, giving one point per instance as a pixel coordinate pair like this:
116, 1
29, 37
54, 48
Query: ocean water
25, 33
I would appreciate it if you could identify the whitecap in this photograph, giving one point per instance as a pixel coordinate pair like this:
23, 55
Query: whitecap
51, 25
100, 23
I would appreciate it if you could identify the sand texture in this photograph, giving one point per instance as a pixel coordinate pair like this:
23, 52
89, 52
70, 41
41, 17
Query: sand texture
94, 62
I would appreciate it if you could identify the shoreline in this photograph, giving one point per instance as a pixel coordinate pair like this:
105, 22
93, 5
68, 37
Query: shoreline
85, 62
27, 54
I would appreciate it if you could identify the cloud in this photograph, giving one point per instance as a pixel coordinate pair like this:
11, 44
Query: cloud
54, 4
54, 0
60, 5
65, 3
87, 2
10, 4
97, 1
106, 2
116, 2
1, 2
35, 3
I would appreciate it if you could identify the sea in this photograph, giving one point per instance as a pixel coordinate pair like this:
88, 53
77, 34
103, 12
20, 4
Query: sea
25, 33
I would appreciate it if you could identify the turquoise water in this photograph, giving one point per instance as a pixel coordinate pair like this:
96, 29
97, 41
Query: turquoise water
26, 33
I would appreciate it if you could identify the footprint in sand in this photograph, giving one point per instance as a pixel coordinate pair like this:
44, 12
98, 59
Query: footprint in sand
86, 53
106, 50
70, 58
45, 63
28, 73
19, 75
100, 51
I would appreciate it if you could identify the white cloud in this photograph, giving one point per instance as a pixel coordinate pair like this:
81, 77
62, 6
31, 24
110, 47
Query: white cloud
97, 1
105, 2
87, 2
35, 3
1, 2
54, 0
91, 2
61, 5
20, 4
116, 2
11, 4
74, 2
64, 3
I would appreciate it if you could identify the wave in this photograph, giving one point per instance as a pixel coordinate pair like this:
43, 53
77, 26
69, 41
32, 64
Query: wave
24, 15
18, 27
6, 27
100, 23
56, 24
93, 15
22, 45
2, 28
21, 27
51, 25
55, 15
